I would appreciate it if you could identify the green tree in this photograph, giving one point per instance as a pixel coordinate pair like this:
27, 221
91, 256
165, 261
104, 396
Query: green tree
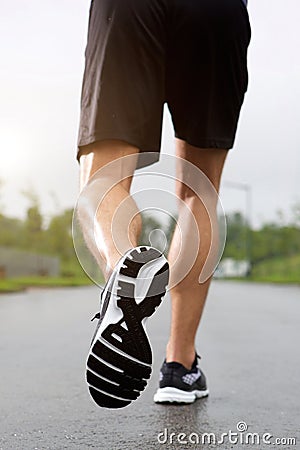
11, 231
33, 238
296, 214
238, 233
59, 236
1, 195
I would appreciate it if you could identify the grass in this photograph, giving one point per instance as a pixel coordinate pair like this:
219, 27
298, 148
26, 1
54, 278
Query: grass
19, 284
71, 275
278, 270
9, 286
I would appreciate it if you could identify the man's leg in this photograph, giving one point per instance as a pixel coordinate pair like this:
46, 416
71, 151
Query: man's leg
188, 296
113, 226
120, 356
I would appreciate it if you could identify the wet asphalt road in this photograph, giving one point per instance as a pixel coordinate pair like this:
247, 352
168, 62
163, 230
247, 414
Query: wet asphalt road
249, 342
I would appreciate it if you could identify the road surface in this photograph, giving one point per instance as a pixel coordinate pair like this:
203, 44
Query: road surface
249, 342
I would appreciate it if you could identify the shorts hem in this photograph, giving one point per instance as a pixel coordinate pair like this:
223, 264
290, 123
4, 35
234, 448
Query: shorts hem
148, 154
208, 143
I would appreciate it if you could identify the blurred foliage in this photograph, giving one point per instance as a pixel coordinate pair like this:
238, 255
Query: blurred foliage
273, 241
33, 235
278, 270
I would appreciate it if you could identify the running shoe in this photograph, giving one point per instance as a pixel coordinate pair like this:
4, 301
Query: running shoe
179, 385
120, 357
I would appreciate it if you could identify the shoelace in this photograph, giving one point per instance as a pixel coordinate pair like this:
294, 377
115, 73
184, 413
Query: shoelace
195, 363
96, 316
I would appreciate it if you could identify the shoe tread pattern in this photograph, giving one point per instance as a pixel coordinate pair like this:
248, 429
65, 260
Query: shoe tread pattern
106, 401
131, 267
127, 381
133, 339
109, 388
128, 377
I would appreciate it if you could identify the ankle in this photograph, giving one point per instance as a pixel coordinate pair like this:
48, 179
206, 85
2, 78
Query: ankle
182, 355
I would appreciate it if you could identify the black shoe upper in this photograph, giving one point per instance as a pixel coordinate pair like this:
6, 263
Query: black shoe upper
174, 374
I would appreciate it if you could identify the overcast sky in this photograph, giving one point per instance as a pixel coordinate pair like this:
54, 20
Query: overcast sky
42, 59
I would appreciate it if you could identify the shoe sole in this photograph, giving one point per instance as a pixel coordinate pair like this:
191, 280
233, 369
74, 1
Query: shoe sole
174, 395
120, 357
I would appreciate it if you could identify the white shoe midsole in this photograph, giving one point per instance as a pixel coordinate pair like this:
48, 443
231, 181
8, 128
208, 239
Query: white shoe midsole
171, 394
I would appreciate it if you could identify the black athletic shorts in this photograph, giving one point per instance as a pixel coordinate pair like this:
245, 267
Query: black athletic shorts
140, 54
